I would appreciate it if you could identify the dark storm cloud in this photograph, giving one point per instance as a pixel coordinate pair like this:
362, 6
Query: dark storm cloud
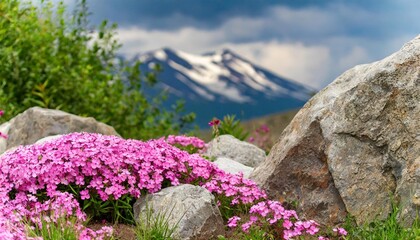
171, 14
365, 18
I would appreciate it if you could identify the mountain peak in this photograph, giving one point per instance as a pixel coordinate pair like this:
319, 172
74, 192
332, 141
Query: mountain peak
222, 82
161, 54
167, 50
225, 51
221, 52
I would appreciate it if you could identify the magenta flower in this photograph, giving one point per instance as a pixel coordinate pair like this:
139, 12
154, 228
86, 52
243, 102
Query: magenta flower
2, 135
287, 224
186, 141
323, 238
233, 221
214, 122
340, 231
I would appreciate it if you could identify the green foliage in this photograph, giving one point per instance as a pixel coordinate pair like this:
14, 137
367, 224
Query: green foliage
51, 59
155, 226
388, 229
113, 210
255, 233
227, 210
232, 127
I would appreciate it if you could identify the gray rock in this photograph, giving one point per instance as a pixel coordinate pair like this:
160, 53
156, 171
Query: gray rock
354, 145
193, 208
239, 151
36, 123
49, 138
230, 166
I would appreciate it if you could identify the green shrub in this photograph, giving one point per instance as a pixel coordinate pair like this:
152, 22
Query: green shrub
229, 126
51, 59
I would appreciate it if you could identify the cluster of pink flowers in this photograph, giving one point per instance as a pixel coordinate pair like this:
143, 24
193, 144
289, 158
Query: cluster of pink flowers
186, 141
12, 226
12, 229
88, 234
273, 212
2, 135
240, 190
110, 167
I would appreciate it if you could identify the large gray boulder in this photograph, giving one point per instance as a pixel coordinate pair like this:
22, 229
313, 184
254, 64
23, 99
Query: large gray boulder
193, 208
37, 123
355, 146
239, 151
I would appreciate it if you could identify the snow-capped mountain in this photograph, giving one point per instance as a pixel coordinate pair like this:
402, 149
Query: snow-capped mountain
221, 82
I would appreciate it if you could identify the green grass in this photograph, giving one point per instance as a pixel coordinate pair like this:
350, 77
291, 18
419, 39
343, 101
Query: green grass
64, 228
155, 226
388, 229
253, 234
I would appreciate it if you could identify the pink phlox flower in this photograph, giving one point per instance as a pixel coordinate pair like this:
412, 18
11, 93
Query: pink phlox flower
233, 221
340, 231
246, 226
84, 194
287, 224
323, 238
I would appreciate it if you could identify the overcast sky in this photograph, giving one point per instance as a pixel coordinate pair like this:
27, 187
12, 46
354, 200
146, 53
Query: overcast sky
309, 41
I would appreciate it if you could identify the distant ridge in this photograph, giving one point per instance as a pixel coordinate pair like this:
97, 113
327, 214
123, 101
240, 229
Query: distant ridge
222, 82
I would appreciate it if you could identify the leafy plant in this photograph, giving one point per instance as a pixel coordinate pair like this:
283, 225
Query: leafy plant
52, 59
229, 126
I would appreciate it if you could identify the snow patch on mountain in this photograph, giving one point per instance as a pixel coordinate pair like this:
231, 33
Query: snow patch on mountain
207, 74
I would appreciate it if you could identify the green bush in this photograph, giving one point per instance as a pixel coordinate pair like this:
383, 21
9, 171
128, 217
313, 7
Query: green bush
229, 126
52, 59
